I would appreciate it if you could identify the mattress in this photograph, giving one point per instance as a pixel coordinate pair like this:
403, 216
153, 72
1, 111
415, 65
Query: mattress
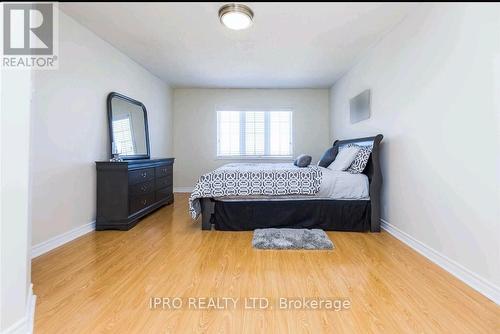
335, 185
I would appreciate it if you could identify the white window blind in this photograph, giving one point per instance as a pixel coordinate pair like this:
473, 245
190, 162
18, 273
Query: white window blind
122, 136
254, 133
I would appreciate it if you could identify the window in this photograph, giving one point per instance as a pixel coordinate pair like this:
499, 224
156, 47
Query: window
122, 133
254, 133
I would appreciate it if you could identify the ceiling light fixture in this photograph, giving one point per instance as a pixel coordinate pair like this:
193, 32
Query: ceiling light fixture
236, 16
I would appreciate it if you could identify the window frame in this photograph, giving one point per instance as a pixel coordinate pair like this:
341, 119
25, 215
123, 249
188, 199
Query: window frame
265, 156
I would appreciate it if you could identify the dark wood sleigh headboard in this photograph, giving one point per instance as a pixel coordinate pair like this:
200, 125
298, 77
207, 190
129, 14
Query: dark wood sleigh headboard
373, 172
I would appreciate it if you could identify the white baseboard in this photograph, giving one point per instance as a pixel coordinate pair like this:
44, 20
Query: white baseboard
26, 323
61, 239
19, 327
183, 189
476, 282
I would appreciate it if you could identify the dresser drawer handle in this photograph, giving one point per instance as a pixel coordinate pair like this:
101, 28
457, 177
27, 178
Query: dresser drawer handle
164, 170
144, 174
144, 188
144, 201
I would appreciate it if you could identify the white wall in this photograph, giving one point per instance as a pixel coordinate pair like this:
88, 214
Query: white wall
15, 227
195, 119
435, 82
70, 125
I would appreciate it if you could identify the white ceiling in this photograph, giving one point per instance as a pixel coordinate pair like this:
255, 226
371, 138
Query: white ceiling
290, 44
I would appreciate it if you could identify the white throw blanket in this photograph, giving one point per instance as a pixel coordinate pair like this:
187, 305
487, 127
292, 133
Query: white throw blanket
244, 179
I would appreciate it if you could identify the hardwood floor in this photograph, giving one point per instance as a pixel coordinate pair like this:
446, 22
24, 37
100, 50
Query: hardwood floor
103, 282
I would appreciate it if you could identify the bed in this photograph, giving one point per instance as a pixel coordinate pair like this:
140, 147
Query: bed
340, 202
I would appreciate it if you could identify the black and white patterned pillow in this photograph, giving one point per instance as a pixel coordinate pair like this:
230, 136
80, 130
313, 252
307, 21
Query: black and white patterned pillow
361, 160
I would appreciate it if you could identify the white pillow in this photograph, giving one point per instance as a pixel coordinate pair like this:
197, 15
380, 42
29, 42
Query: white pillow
344, 158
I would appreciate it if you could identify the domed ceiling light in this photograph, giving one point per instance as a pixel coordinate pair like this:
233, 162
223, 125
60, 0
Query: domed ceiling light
236, 16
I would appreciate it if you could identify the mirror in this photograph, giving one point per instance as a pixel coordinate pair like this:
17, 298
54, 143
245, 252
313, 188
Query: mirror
128, 127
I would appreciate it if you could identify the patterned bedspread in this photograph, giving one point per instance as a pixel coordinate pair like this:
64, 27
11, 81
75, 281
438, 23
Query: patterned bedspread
244, 179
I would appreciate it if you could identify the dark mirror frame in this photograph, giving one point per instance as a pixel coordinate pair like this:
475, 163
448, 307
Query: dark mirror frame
114, 95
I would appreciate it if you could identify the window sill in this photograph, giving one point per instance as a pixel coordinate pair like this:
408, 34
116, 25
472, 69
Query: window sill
244, 157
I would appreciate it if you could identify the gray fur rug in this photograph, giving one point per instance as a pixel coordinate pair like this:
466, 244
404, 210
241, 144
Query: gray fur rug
289, 238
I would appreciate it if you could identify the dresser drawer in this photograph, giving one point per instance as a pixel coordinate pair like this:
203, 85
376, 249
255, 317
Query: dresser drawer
164, 193
142, 188
141, 175
163, 182
163, 171
140, 202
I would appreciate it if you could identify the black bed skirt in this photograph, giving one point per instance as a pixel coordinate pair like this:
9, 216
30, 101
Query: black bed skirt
330, 215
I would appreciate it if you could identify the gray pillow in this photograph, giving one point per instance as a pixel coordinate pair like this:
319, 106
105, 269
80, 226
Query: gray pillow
328, 156
302, 160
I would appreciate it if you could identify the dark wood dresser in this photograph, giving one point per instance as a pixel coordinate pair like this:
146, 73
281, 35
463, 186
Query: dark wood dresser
129, 190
